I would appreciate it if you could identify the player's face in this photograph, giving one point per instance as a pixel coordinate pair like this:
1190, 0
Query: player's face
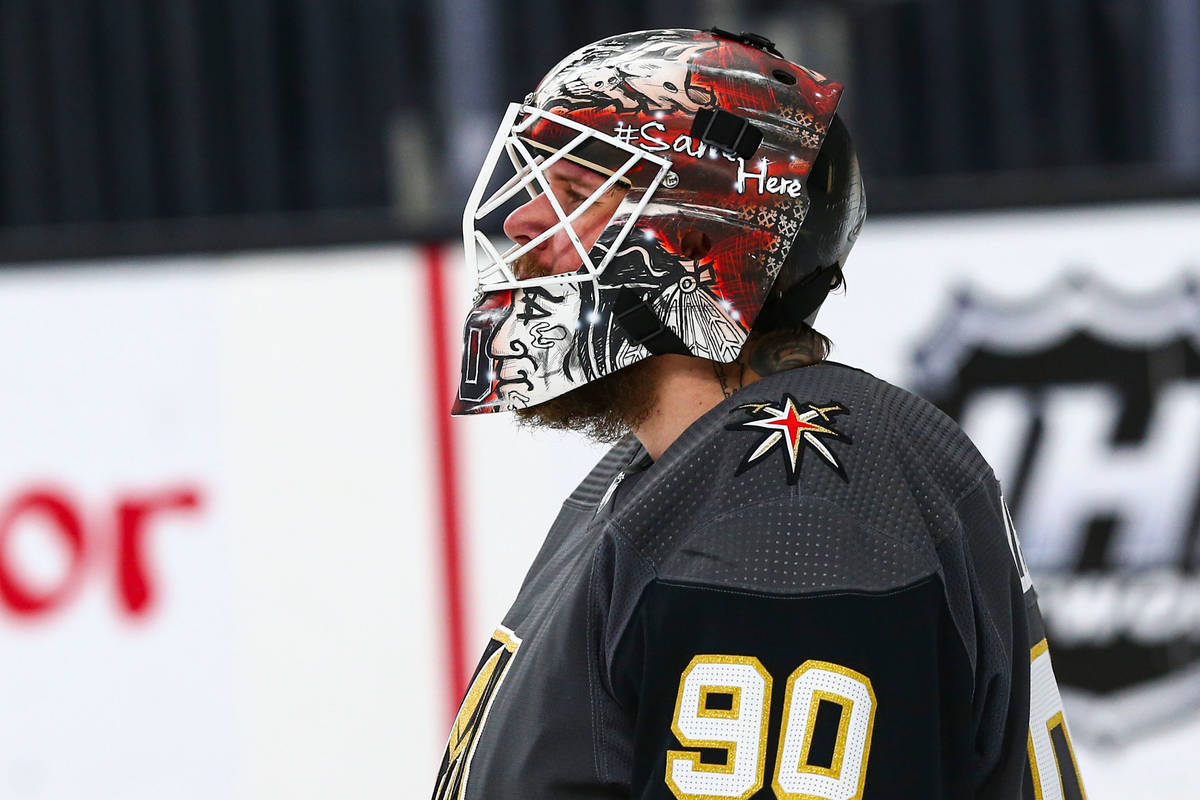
572, 185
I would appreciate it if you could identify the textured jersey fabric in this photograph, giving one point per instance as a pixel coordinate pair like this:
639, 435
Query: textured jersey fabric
812, 593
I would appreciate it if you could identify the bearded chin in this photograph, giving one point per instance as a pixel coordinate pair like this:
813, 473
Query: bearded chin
604, 410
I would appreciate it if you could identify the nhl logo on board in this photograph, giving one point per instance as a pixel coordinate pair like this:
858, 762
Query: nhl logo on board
1086, 401
791, 428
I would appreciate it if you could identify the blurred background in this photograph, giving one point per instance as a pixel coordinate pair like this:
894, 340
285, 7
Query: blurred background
243, 550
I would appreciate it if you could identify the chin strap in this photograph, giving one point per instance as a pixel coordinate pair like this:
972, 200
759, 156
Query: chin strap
643, 326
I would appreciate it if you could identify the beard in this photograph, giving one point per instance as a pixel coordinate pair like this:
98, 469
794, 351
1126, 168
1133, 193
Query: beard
603, 410
529, 266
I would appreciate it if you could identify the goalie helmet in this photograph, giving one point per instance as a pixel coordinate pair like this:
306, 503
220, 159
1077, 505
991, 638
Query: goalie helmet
707, 140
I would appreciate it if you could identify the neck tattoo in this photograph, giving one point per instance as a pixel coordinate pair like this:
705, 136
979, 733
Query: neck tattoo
719, 371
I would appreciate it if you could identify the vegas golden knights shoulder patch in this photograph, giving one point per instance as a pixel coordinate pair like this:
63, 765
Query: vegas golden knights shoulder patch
791, 427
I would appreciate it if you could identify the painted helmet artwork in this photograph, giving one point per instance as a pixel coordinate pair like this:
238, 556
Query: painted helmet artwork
700, 145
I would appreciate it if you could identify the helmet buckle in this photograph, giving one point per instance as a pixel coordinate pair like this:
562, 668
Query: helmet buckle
751, 39
726, 131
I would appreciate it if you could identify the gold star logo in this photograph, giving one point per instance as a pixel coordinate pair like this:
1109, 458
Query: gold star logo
792, 426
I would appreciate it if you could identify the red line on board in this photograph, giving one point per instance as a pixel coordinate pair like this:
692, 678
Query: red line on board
447, 476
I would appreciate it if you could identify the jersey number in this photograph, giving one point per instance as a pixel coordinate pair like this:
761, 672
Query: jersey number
1051, 756
723, 705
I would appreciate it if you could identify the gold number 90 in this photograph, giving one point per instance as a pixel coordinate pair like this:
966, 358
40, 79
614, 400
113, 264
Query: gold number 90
724, 703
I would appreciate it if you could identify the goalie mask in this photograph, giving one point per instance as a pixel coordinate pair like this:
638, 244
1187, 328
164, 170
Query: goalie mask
651, 188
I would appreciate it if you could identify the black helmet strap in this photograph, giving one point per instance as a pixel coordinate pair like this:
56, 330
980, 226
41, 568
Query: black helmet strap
798, 302
642, 325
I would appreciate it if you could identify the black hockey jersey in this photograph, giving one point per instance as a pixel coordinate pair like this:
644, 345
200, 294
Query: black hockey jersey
816, 592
